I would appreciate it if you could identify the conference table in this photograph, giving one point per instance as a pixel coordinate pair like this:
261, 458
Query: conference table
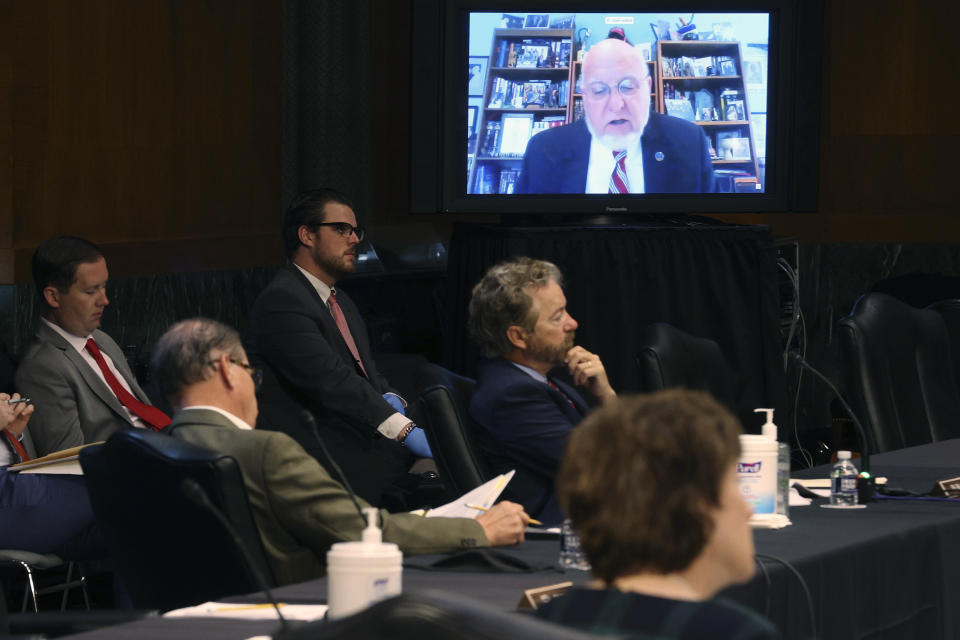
889, 570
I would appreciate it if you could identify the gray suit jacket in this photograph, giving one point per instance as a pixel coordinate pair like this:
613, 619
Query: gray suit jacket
300, 510
73, 405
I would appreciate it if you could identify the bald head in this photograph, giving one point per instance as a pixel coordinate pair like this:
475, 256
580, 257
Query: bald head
616, 91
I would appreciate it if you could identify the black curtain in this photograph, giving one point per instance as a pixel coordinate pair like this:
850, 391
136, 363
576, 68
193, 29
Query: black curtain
717, 282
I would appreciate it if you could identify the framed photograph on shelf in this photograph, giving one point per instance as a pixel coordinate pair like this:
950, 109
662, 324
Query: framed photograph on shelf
476, 74
537, 21
508, 21
561, 22
471, 121
515, 133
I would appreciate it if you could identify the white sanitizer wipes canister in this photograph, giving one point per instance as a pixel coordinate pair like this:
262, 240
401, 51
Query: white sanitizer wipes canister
757, 472
362, 573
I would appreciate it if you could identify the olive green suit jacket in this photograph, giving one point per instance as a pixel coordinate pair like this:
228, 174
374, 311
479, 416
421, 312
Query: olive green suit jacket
300, 510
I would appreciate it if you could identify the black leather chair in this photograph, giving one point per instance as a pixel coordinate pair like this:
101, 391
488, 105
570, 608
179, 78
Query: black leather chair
456, 440
949, 310
432, 614
170, 551
669, 357
898, 373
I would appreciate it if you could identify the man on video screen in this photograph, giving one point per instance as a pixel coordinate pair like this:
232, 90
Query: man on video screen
620, 146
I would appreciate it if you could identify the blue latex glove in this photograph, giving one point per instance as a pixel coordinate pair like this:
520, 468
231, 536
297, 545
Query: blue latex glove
394, 401
417, 443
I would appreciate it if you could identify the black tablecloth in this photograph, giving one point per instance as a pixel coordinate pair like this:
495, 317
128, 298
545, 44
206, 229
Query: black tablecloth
891, 570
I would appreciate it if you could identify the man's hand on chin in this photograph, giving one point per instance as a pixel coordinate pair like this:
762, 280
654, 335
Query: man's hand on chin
588, 371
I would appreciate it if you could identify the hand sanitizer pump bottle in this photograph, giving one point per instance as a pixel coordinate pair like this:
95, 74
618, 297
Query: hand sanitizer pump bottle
362, 573
769, 430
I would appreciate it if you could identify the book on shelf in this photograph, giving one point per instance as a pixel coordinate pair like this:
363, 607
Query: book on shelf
491, 139
527, 94
508, 179
702, 67
679, 108
532, 53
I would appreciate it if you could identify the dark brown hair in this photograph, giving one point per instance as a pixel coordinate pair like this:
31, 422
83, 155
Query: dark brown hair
639, 476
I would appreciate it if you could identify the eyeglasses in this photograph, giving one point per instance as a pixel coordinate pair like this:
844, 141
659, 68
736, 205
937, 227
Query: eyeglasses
343, 229
599, 91
256, 374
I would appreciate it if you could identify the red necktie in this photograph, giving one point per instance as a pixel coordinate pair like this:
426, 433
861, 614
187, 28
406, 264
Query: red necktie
341, 321
618, 179
17, 447
550, 382
148, 413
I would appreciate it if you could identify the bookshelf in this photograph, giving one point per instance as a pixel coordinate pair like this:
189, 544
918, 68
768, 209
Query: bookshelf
527, 88
684, 86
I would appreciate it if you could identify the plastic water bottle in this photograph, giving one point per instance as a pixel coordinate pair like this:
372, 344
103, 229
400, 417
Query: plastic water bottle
571, 554
843, 481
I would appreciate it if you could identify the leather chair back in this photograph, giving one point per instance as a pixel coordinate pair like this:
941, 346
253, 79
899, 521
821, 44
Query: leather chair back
433, 614
669, 357
170, 551
898, 373
456, 440
949, 310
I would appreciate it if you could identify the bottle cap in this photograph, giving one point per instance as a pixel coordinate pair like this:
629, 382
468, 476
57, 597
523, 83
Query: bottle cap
769, 429
372, 534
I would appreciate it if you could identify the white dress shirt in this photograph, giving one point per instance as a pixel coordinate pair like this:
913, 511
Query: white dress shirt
602, 162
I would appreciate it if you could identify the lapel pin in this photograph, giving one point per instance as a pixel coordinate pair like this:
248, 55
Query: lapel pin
659, 156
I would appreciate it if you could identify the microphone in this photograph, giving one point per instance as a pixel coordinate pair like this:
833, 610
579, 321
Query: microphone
307, 417
192, 490
866, 484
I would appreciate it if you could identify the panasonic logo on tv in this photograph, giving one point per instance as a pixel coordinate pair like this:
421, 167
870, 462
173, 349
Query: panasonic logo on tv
621, 209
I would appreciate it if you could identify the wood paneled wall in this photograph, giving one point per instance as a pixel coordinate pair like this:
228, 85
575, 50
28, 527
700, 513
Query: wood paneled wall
151, 127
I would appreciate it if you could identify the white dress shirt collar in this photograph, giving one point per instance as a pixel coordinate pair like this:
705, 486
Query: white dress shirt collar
602, 162
77, 342
237, 422
323, 289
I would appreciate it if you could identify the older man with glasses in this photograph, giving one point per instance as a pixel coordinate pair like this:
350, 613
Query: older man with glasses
319, 372
620, 146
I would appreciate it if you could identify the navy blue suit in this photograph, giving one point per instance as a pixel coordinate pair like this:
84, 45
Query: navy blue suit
48, 514
676, 159
530, 422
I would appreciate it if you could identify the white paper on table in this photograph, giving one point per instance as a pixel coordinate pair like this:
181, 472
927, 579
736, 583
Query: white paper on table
484, 496
241, 611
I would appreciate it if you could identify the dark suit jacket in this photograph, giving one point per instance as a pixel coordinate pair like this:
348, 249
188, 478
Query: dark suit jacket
531, 422
73, 405
300, 510
676, 159
307, 365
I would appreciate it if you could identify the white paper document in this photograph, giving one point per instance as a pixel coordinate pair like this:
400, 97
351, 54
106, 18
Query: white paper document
483, 496
240, 611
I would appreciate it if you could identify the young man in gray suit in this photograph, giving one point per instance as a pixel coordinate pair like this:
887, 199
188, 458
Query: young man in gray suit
76, 374
299, 509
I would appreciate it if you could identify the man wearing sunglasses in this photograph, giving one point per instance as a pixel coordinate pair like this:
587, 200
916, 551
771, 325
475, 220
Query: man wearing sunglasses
619, 146
311, 342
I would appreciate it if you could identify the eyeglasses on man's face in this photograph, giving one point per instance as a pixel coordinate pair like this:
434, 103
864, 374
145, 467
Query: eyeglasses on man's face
599, 91
255, 373
343, 229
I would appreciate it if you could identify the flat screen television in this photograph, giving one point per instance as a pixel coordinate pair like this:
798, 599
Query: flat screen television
697, 107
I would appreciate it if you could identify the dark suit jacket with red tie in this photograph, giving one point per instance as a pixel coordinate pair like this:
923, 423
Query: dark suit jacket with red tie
676, 159
306, 364
530, 424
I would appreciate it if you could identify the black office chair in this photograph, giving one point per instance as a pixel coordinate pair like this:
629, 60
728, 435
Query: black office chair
669, 357
434, 614
456, 440
898, 373
949, 310
170, 551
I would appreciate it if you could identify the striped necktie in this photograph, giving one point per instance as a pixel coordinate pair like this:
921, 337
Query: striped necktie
618, 179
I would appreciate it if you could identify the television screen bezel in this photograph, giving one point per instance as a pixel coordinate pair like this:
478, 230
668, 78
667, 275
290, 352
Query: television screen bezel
782, 61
